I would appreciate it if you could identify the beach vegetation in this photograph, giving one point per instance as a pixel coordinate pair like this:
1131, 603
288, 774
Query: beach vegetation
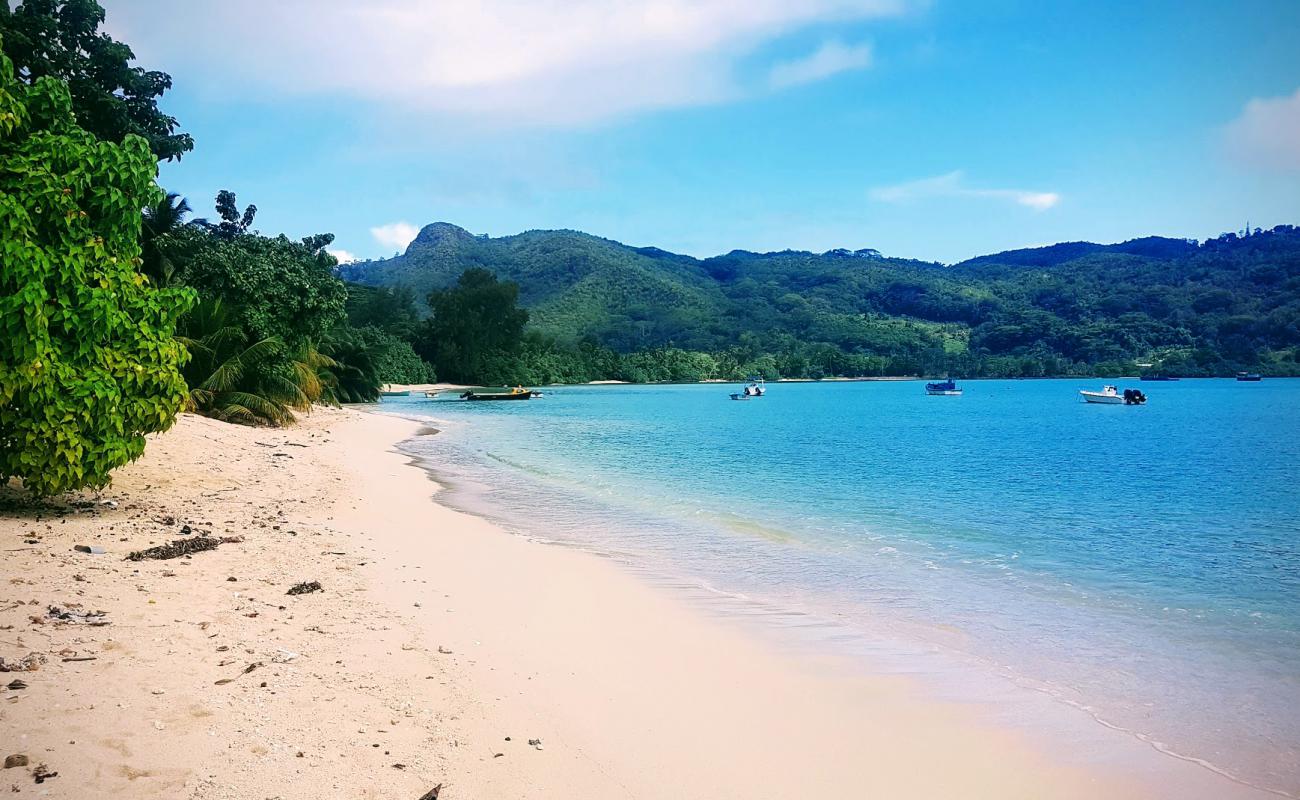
88, 359
161, 223
236, 380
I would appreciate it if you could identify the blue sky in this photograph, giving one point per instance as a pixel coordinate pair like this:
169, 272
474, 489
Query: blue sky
937, 130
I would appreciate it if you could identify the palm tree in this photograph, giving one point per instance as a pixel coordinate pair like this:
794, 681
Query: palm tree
161, 221
231, 380
353, 375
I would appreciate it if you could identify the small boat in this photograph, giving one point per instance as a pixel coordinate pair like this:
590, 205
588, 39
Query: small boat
742, 396
517, 393
1109, 395
946, 388
403, 393
1249, 377
755, 389
1157, 378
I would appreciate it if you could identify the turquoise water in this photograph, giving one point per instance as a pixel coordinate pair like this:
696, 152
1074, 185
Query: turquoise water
1141, 565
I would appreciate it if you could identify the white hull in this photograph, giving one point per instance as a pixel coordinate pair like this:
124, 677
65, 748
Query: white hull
949, 393
1104, 399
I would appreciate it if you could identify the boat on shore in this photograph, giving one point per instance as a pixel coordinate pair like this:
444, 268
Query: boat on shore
1111, 396
1249, 377
945, 388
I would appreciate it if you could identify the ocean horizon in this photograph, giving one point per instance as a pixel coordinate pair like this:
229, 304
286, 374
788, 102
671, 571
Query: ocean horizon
1138, 566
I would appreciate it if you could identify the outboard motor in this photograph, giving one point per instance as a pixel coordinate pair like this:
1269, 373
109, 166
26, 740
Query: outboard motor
1134, 397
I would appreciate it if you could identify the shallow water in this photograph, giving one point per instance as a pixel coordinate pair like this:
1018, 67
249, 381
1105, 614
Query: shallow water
1140, 564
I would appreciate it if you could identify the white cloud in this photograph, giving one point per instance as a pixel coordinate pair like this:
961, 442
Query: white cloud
953, 184
524, 61
342, 255
831, 58
1267, 134
395, 235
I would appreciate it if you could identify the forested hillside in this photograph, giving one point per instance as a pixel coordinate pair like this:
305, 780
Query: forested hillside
1183, 307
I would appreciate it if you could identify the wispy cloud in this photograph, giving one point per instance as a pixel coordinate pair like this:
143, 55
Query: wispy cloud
342, 255
395, 235
831, 58
953, 184
1267, 134
540, 62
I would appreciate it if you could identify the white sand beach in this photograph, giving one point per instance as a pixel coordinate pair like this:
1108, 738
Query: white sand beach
436, 649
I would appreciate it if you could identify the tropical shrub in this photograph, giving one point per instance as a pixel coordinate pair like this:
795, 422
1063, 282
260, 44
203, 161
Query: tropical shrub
88, 360
235, 380
350, 373
395, 360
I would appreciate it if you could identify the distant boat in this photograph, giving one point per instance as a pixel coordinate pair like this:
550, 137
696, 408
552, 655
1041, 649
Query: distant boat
517, 393
755, 389
742, 396
402, 393
1109, 395
1249, 377
946, 388
1158, 378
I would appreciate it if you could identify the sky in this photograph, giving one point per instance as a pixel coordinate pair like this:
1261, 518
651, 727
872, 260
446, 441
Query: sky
939, 129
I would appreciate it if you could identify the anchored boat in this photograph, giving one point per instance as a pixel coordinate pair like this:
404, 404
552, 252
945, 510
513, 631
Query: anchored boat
946, 388
1109, 395
1249, 377
517, 393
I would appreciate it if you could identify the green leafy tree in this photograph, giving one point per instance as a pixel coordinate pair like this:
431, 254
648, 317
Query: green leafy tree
88, 360
111, 98
392, 310
232, 223
395, 361
276, 287
476, 328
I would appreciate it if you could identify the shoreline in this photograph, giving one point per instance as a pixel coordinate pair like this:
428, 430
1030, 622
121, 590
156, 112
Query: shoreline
1027, 705
437, 635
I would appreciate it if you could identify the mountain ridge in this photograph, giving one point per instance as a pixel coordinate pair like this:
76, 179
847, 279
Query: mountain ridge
1231, 300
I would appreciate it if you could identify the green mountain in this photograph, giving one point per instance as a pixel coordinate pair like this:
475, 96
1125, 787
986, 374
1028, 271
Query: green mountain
1191, 308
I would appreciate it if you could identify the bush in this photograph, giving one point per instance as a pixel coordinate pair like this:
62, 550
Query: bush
88, 360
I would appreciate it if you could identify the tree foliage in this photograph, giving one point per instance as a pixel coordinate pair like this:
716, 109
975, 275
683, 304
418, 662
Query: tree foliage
233, 379
88, 361
111, 98
277, 287
475, 329
162, 222
394, 359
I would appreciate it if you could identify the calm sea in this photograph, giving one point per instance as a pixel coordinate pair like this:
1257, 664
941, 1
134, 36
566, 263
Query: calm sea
1140, 565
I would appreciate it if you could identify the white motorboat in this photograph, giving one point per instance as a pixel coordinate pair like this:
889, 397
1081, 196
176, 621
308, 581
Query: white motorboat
1108, 394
